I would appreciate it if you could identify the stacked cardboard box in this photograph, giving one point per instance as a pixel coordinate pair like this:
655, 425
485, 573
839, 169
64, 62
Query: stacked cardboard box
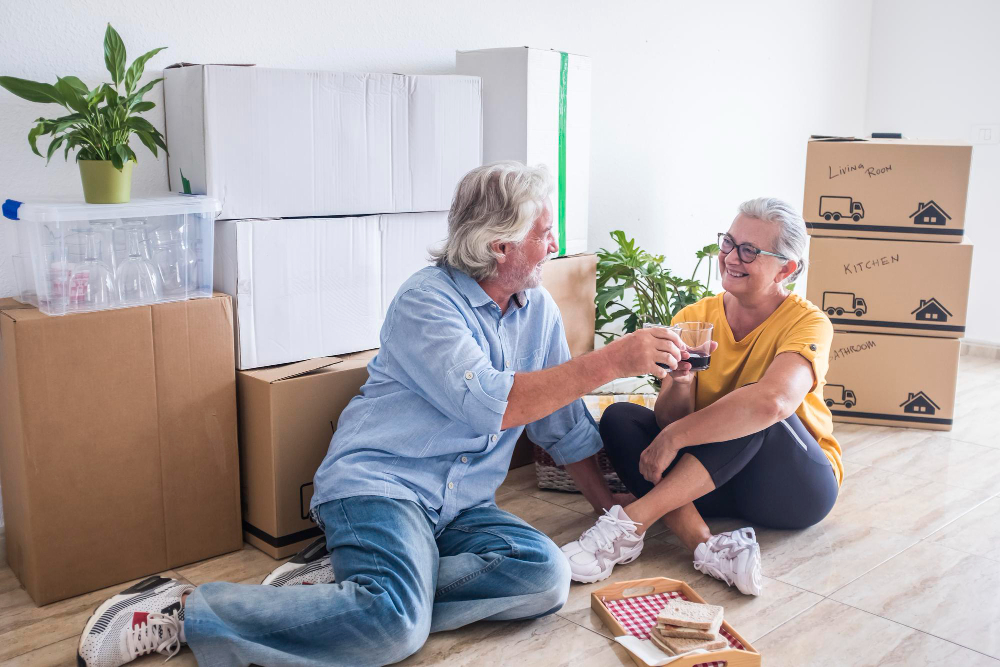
333, 186
117, 442
889, 265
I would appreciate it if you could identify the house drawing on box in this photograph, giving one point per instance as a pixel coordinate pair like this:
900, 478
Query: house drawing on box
931, 310
920, 404
929, 214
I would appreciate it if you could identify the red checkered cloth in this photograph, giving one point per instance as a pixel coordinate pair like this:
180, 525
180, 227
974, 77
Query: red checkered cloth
638, 616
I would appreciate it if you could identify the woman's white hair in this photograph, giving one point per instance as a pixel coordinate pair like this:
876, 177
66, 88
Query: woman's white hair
792, 238
495, 202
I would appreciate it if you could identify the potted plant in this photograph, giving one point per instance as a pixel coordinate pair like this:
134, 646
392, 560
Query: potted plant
657, 294
100, 123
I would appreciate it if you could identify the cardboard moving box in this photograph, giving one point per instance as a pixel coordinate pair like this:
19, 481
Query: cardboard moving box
572, 282
536, 109
892, 380
287, 416
282, 143
886, 189
907, 287
118, 453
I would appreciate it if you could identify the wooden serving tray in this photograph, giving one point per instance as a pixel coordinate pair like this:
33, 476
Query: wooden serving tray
651, 594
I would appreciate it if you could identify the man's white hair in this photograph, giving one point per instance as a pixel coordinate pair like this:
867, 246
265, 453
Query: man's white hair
792, 238
495, 202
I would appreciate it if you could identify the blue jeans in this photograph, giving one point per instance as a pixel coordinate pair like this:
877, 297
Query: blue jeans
396, 582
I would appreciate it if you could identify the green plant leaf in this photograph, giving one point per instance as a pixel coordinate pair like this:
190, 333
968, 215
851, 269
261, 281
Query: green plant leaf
53, 147
33, 91
114, 55
71, 96
33, 135
77, 84
139, 124
136, 97
134, 72
147, 141
140, 107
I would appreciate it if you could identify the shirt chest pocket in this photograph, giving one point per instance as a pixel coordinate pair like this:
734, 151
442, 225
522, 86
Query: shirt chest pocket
530, 362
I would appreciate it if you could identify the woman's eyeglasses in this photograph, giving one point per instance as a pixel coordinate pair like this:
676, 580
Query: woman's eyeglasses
747, 252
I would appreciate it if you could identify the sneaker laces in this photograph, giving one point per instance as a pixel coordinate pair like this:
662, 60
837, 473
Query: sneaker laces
607, 529
160, 633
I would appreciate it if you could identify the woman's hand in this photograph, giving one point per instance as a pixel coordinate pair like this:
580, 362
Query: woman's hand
655, 458
684, 374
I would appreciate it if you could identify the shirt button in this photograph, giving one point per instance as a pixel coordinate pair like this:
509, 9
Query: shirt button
493, 438
451, 485
812, 347
507, 364
469, 375
465, 459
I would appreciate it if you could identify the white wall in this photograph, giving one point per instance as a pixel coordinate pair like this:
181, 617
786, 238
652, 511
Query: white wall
940, 89
696, 106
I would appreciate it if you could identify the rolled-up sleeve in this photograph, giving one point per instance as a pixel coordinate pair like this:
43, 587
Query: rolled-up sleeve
437, 355
570, 433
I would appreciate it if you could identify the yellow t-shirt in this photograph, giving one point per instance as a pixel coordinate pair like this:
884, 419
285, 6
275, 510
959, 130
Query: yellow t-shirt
796, 326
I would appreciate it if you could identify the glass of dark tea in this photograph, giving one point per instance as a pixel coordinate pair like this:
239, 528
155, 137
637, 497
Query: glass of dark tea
697, 338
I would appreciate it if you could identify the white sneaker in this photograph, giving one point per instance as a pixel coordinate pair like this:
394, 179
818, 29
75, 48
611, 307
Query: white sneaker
306, 568
612, 540
144, 618
733, 558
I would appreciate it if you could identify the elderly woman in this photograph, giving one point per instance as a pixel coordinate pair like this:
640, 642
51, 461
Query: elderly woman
749, 438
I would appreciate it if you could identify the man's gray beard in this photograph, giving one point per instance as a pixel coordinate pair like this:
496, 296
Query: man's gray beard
532, 279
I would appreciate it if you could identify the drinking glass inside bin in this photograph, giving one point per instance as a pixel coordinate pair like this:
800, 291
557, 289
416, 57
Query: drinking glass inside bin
24, 279
92, 285
138, 279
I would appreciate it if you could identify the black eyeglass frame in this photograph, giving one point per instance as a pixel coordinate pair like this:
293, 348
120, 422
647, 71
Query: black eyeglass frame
752, 249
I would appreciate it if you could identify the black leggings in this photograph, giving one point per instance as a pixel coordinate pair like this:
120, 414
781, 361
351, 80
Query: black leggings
775, 478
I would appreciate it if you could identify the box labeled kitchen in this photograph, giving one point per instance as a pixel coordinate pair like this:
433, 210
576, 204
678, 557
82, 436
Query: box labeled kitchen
892, 380
536, 109
886, 188
286, 143
906, 287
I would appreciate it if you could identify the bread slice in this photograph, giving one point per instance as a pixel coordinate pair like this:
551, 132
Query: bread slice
675, 646
684, 614
666, 630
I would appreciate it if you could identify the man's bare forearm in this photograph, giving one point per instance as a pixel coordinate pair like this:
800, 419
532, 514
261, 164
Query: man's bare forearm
540, 393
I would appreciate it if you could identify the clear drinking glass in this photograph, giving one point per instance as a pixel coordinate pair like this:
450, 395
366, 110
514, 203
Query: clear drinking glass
92, 285
137, 277
697, 338
172, 261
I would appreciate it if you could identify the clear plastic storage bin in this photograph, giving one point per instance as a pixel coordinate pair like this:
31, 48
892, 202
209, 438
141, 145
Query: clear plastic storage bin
77, 258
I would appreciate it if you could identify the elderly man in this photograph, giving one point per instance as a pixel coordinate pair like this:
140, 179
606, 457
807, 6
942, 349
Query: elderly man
472, 351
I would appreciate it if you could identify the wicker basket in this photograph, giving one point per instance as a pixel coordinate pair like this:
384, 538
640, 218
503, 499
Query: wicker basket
554, 477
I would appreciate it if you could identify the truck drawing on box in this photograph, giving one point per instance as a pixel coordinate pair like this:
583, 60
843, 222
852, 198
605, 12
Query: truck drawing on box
919, 404
836, 394
834, 208
837, 303
929, 214
931, 310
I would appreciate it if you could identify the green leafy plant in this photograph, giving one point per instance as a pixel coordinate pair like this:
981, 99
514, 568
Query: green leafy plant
97, 131
657, 294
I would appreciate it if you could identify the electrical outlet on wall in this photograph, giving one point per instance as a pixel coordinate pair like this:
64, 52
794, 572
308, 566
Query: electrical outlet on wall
986, 134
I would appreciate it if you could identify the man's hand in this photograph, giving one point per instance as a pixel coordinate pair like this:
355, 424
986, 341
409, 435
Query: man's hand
639, 352
684, 374
655, 458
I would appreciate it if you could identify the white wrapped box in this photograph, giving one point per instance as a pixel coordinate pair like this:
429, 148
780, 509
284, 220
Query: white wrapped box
288, 143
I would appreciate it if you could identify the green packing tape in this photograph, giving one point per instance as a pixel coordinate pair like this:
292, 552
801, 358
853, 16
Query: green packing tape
563, 75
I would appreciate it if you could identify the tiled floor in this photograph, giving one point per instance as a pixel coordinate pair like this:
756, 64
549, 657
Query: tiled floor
905, 571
